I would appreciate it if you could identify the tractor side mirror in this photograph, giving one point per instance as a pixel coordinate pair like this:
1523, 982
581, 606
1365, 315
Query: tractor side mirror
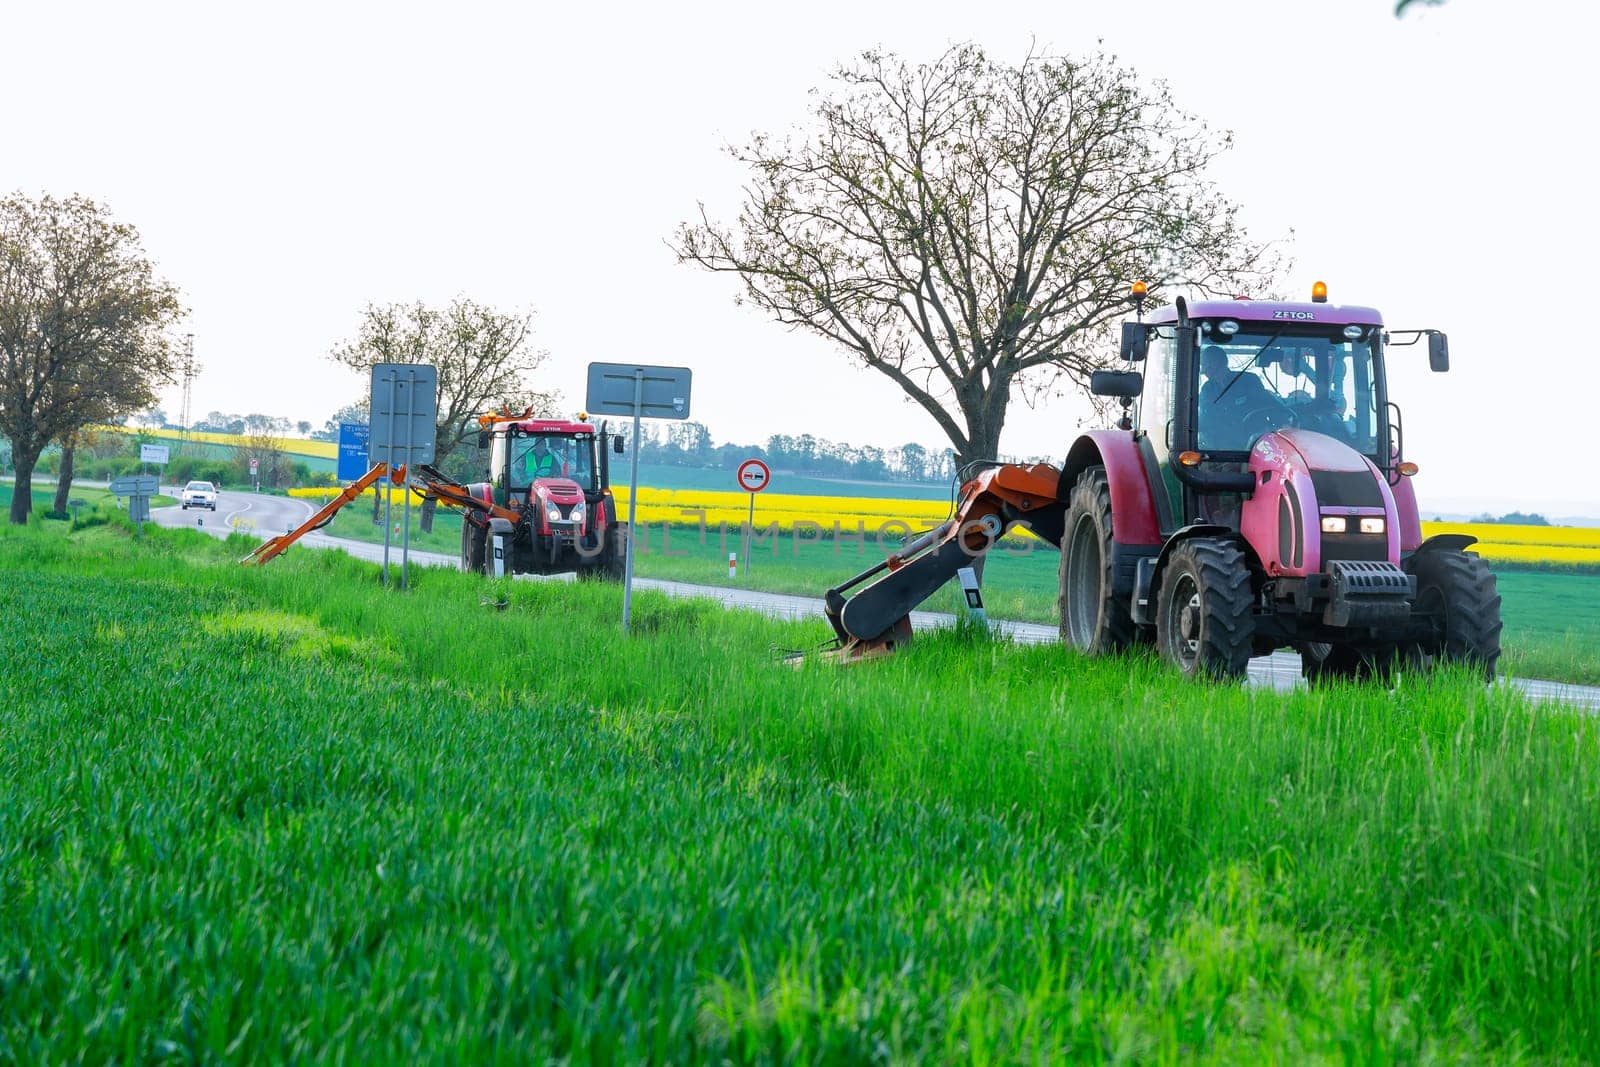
483, 439
616, 445
1124, 383
1135, 341
1438, 352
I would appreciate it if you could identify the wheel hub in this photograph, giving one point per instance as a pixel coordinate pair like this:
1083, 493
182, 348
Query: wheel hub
1187, 603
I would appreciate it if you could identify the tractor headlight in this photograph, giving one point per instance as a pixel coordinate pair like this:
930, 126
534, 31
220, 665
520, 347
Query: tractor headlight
577, 512
552, 512
1372, 525
1333, 524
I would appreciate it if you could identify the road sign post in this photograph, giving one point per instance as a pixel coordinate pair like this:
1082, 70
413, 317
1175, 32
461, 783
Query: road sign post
138, 488
641, 391
752, 476
404, 407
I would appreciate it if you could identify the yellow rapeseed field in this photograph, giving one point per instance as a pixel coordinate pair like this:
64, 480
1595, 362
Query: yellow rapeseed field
851, 515
297, 446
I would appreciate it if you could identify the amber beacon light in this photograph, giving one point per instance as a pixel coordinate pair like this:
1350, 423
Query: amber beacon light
1319, 292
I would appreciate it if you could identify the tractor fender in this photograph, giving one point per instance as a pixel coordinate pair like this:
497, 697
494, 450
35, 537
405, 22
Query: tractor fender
1147, 581
1445, 543
1133, 509
478, 491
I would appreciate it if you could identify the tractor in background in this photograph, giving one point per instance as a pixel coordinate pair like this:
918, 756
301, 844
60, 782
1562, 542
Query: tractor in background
546, 508
1254, 495
554, 478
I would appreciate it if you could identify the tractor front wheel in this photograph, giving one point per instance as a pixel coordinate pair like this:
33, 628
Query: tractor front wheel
614, 562
1457, 590
1094, 618
474, 539
1203, 609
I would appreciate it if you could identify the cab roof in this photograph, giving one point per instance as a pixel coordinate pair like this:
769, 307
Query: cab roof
552, 426
1272, 311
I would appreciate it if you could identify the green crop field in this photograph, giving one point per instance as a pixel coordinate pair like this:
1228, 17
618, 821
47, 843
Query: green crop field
1552, 620
280, 813
44, 499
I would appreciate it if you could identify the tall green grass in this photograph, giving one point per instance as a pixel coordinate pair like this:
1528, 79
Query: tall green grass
284, 813
1552, 620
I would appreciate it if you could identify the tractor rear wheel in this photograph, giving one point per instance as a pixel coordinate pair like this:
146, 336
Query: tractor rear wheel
474, 539
1203, 621
1094, 618
1458, 590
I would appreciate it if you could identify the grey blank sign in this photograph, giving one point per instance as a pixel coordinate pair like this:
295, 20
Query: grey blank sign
404, 409
665, 396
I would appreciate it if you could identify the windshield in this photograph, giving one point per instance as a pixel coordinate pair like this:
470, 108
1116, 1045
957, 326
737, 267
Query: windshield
1251, 383
551, 456
199, 487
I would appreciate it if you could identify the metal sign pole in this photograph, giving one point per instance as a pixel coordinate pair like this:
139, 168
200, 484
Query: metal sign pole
749, 530
405, 537
633, 499
387, 482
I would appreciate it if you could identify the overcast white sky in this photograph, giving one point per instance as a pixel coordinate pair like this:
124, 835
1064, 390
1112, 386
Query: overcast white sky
287, 163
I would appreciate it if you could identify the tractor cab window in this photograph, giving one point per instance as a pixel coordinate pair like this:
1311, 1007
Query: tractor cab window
551, 456
1253, 383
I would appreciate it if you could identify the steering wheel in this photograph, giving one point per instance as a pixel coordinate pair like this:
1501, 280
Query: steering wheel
1264, 412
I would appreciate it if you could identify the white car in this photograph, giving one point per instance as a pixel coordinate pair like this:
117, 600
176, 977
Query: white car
199, 495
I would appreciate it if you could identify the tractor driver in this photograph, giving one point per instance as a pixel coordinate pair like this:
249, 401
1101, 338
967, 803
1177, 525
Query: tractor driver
540, 461
1235, 406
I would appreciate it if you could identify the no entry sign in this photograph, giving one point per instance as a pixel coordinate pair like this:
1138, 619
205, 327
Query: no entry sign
753, 476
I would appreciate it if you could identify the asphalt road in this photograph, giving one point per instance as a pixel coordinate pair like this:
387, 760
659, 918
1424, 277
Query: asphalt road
266, 516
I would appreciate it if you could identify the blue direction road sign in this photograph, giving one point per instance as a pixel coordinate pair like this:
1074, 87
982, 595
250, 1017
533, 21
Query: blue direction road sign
353, 450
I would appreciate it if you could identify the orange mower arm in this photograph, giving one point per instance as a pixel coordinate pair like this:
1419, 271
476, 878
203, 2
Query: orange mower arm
275, 546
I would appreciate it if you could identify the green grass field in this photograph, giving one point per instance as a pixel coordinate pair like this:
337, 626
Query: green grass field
282, 813
1552, 621
45, 498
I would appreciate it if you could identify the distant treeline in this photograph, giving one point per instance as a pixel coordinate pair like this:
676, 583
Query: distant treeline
689, 444
674, 444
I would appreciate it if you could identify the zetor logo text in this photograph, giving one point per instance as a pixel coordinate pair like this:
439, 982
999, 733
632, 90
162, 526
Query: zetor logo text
1294, 314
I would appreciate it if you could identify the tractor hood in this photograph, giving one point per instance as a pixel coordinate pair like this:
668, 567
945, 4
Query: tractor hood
1318, 451
1302, 478
561, 490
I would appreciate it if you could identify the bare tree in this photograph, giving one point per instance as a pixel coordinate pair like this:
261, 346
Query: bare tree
263, 444
484, 359
968, 228
82, 326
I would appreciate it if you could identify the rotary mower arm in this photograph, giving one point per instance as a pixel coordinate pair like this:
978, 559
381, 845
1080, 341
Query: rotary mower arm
432, 484
877, 618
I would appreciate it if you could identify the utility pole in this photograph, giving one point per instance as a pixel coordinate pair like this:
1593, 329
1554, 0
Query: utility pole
189, 371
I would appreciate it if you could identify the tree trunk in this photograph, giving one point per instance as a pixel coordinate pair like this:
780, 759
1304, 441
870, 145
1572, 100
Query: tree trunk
986, 417
64, 482
22, 486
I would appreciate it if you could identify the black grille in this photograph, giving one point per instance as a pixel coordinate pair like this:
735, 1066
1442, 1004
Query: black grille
1346, 489
1359, 546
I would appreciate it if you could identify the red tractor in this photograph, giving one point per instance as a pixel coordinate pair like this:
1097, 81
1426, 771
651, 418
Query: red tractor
1257, 497
547, 509
548, 506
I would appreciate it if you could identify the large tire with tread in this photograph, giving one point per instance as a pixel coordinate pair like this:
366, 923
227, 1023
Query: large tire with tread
474, 546
1203, 624
1460, 589
614, 563
1095, 618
